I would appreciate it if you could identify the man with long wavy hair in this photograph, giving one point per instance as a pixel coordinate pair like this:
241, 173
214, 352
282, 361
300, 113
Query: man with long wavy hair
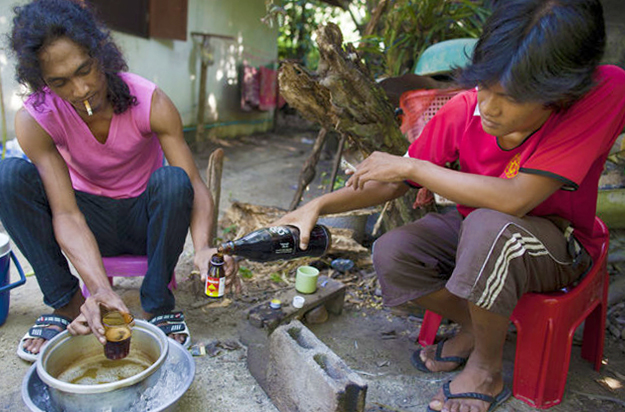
97, 137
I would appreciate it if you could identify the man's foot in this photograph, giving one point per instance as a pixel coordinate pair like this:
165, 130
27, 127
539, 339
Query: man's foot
173, 325
473, 390
32, 345
45, 328
446, 356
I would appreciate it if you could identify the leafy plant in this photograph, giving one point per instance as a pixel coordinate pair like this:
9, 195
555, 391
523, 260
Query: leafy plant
245, 272
276, 277
410, 26
390, 44
300, 20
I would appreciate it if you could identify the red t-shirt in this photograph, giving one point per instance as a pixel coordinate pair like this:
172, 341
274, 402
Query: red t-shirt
571, 146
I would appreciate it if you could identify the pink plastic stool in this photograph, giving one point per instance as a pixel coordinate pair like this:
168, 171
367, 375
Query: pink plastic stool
545, 324
126, 266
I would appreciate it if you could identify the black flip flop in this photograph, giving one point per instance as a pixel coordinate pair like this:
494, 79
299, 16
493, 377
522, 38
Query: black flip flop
173, 323
416, 361
42, 330
494, 401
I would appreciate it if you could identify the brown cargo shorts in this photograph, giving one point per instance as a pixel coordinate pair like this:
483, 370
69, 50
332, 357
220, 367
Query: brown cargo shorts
489, 258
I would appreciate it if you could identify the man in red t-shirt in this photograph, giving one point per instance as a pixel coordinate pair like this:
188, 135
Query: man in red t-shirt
531, 138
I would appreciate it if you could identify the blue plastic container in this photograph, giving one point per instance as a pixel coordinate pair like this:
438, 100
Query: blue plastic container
6, 255
442, 57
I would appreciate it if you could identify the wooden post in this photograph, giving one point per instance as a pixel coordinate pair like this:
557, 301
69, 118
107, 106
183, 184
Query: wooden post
308, 170
199, 132
337, 162
207, 59
213, 180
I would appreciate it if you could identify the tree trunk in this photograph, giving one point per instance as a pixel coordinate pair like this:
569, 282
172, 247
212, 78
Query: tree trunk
343, 96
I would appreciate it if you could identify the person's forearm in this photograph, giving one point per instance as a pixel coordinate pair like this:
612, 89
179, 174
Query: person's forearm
78, 243
515, 196
347, 198
202, 218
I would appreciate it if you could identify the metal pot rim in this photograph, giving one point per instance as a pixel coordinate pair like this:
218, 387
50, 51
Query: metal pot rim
64, 336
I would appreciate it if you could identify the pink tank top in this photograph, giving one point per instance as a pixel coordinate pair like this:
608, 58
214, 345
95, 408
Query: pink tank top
119, 168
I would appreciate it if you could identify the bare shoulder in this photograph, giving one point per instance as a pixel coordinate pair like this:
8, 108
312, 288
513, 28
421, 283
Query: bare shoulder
164, 117
30, 134
25, 120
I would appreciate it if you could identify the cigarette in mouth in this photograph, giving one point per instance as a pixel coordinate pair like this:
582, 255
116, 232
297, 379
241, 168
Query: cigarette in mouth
88, 107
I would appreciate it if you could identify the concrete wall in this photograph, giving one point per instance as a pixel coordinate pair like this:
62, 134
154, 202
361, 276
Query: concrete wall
175, 65
614, 13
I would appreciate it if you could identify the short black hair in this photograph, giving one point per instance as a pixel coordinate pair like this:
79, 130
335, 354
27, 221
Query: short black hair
543, 51
39, 23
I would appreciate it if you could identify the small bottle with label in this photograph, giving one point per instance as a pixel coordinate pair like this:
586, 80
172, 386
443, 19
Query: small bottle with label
216, 279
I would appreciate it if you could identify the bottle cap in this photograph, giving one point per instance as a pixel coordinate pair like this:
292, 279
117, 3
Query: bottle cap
275, 304
298, 301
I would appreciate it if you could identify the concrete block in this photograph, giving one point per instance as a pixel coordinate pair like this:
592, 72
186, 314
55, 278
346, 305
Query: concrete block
304, 375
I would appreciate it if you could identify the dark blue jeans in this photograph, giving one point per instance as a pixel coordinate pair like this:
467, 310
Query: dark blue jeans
154, 224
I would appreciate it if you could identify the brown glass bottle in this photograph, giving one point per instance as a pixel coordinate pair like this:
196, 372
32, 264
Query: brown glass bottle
278, 242
216, 279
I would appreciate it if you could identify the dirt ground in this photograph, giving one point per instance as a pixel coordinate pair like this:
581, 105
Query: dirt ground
376, 343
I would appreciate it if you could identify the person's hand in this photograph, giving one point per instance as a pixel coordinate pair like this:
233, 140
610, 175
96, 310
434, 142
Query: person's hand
201, 260
231, 268
90, 318
379, 166
304, 219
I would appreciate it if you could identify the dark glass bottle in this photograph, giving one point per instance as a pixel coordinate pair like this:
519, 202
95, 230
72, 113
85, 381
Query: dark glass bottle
278, 242
216, 279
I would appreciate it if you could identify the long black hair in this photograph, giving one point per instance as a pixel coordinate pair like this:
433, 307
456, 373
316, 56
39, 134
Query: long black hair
543, 51
41, 22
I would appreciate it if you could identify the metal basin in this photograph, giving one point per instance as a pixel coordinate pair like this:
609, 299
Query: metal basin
176, 376
148, 342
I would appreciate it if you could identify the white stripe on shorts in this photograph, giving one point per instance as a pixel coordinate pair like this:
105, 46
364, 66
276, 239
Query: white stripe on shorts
515, 247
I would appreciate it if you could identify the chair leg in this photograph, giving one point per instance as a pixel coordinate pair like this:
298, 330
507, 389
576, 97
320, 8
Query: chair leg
540, 375
429, 327
594, 335
594, 326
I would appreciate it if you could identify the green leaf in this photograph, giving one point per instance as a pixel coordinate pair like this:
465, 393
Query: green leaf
276, 277
245, 272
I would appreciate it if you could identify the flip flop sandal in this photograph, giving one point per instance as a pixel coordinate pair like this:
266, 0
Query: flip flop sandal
42, 330
173, 323
416, 361
494, 401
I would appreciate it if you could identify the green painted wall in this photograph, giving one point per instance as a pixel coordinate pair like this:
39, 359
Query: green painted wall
175, 65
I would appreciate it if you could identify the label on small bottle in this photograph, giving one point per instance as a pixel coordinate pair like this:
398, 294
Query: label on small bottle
215, 287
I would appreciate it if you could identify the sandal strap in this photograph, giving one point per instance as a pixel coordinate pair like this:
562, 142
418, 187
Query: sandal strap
56, 320
168, 317
440, 358
43, 332
172, 328
466, 395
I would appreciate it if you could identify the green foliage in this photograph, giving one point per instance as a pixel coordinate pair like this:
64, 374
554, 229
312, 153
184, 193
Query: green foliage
245, 272
339, 182
276, 277
405, 30
410, 26
301, 19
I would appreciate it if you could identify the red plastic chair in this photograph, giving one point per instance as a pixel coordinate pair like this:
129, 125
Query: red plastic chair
545, 324
127, 266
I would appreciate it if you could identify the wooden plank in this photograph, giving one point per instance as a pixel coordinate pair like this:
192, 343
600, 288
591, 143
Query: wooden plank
330, 293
